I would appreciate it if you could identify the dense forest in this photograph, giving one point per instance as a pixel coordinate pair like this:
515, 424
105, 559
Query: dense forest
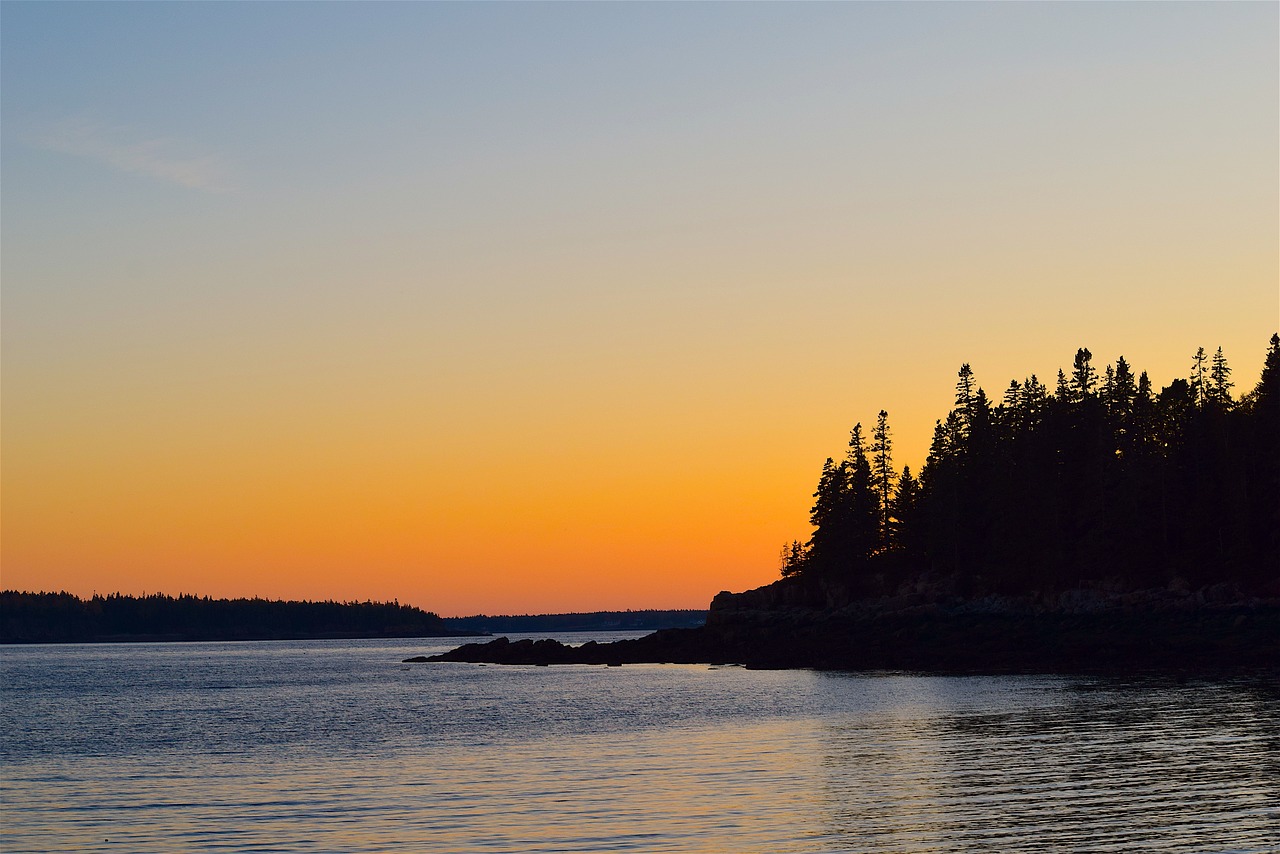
62, 618
1101, 479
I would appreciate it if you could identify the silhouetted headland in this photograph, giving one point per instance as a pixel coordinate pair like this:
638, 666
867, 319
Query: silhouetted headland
1100, 526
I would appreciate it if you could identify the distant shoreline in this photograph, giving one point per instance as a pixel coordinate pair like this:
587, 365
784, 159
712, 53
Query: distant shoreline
49, 618
34, 618
176, 638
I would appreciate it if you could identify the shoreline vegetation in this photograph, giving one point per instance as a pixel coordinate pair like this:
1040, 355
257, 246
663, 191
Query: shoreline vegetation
1099, 527
117, 618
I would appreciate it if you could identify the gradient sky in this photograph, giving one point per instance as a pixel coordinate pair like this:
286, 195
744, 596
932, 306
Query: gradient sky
546, 307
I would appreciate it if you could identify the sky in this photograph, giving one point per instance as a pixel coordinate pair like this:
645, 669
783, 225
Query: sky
519, 308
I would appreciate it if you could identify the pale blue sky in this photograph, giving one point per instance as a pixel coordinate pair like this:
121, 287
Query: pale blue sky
438, 131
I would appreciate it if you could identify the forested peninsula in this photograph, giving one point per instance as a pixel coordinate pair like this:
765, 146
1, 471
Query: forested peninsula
1098, 524
64, 618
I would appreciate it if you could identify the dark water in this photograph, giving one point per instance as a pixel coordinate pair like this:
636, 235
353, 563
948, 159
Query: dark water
335, 746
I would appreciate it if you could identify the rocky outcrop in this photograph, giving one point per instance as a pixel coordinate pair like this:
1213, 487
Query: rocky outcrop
670, 646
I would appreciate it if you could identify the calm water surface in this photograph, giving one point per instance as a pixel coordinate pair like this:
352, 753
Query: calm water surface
335, 746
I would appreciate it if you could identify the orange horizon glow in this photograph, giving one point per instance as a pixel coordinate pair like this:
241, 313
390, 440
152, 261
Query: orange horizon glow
668, 528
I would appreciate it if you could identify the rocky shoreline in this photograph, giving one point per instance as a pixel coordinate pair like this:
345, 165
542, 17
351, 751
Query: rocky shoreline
930, 628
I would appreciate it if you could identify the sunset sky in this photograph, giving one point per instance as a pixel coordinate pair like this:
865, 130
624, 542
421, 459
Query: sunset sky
547, 307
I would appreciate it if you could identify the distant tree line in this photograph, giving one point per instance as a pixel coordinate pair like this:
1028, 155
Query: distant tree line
62, 618
593, 621
1099, 478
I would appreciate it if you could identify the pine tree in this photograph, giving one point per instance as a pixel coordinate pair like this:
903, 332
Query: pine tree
938, 516
1083, 376
1013, 396
1267, 392
1063, 391
882, 471
964, 397
827, 516
1120, 407
1011, 411
904, 518
939, 450
857, 451
1144, 415
1220, 383
957, 437
1035, 399
1262, 413
1123, 391
793, 558
980, 422
1199, 388
862, 500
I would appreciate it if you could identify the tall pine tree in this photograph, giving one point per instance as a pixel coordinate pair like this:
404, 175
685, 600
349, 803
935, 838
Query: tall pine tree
1084, 377
882, 472
1199, 387
863, 500
1220, 383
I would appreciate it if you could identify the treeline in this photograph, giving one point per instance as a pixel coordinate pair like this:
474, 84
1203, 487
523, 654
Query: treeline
594, 621
1101, 478
64, 618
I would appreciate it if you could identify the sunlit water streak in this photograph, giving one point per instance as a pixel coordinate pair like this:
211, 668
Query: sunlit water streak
336, 746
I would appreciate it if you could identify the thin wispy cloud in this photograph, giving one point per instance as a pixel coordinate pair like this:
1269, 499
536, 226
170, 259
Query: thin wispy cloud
127, 150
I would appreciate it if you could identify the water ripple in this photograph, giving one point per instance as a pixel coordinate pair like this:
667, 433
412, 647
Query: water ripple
329, 746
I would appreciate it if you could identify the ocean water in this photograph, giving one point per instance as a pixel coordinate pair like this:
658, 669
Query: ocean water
335, 746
